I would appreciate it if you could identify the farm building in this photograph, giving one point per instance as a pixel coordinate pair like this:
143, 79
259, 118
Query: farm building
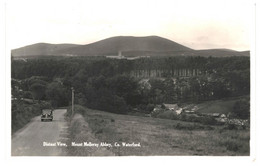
167, 107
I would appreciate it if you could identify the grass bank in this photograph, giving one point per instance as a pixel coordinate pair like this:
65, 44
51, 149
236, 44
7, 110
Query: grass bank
161, 136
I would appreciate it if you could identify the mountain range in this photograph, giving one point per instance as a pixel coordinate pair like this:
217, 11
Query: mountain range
127, 45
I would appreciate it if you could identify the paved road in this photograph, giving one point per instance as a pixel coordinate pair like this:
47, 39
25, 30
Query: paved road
30, 140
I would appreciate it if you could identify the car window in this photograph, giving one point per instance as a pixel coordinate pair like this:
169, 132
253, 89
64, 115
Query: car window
46, 111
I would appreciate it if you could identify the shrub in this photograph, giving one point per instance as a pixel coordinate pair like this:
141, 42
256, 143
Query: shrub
149, 108
181, 126
145, 108
22, 113
156, 111
206, 120
241, 109
189, 118
230, 127
27, 94
167, 115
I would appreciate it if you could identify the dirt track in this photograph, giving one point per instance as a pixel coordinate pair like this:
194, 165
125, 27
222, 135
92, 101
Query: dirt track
30, 140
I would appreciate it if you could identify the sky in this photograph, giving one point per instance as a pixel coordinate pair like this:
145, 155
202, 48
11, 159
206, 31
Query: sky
198, 24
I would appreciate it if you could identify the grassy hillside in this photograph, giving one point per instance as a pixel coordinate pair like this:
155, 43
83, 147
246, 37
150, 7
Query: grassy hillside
156, 136
224, 106
217, 107
40, 49
125, 44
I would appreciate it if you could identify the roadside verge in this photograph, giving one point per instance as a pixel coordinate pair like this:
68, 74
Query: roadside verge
82, 141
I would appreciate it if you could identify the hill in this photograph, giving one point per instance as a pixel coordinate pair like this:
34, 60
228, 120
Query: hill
111, 46
220, 53
203, 53
128, 45
40, 49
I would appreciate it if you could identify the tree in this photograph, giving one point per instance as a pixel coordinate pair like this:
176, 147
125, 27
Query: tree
125, 87
111, 103
38, 91
241, 109
170, 92
157, 91
57, 94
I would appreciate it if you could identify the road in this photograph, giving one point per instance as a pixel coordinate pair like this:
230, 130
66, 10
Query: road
30, 140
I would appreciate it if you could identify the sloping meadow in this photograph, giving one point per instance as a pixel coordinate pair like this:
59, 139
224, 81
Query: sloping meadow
152, 136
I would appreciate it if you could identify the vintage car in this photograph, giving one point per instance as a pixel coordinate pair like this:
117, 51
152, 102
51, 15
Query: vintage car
47, 115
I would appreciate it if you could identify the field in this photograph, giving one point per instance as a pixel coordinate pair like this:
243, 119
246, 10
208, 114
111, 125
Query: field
222, 106
156, 136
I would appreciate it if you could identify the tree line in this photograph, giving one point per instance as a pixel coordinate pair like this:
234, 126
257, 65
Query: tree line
107, 84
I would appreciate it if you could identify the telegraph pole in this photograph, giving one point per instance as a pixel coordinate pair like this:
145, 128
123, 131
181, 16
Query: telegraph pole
72, 102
